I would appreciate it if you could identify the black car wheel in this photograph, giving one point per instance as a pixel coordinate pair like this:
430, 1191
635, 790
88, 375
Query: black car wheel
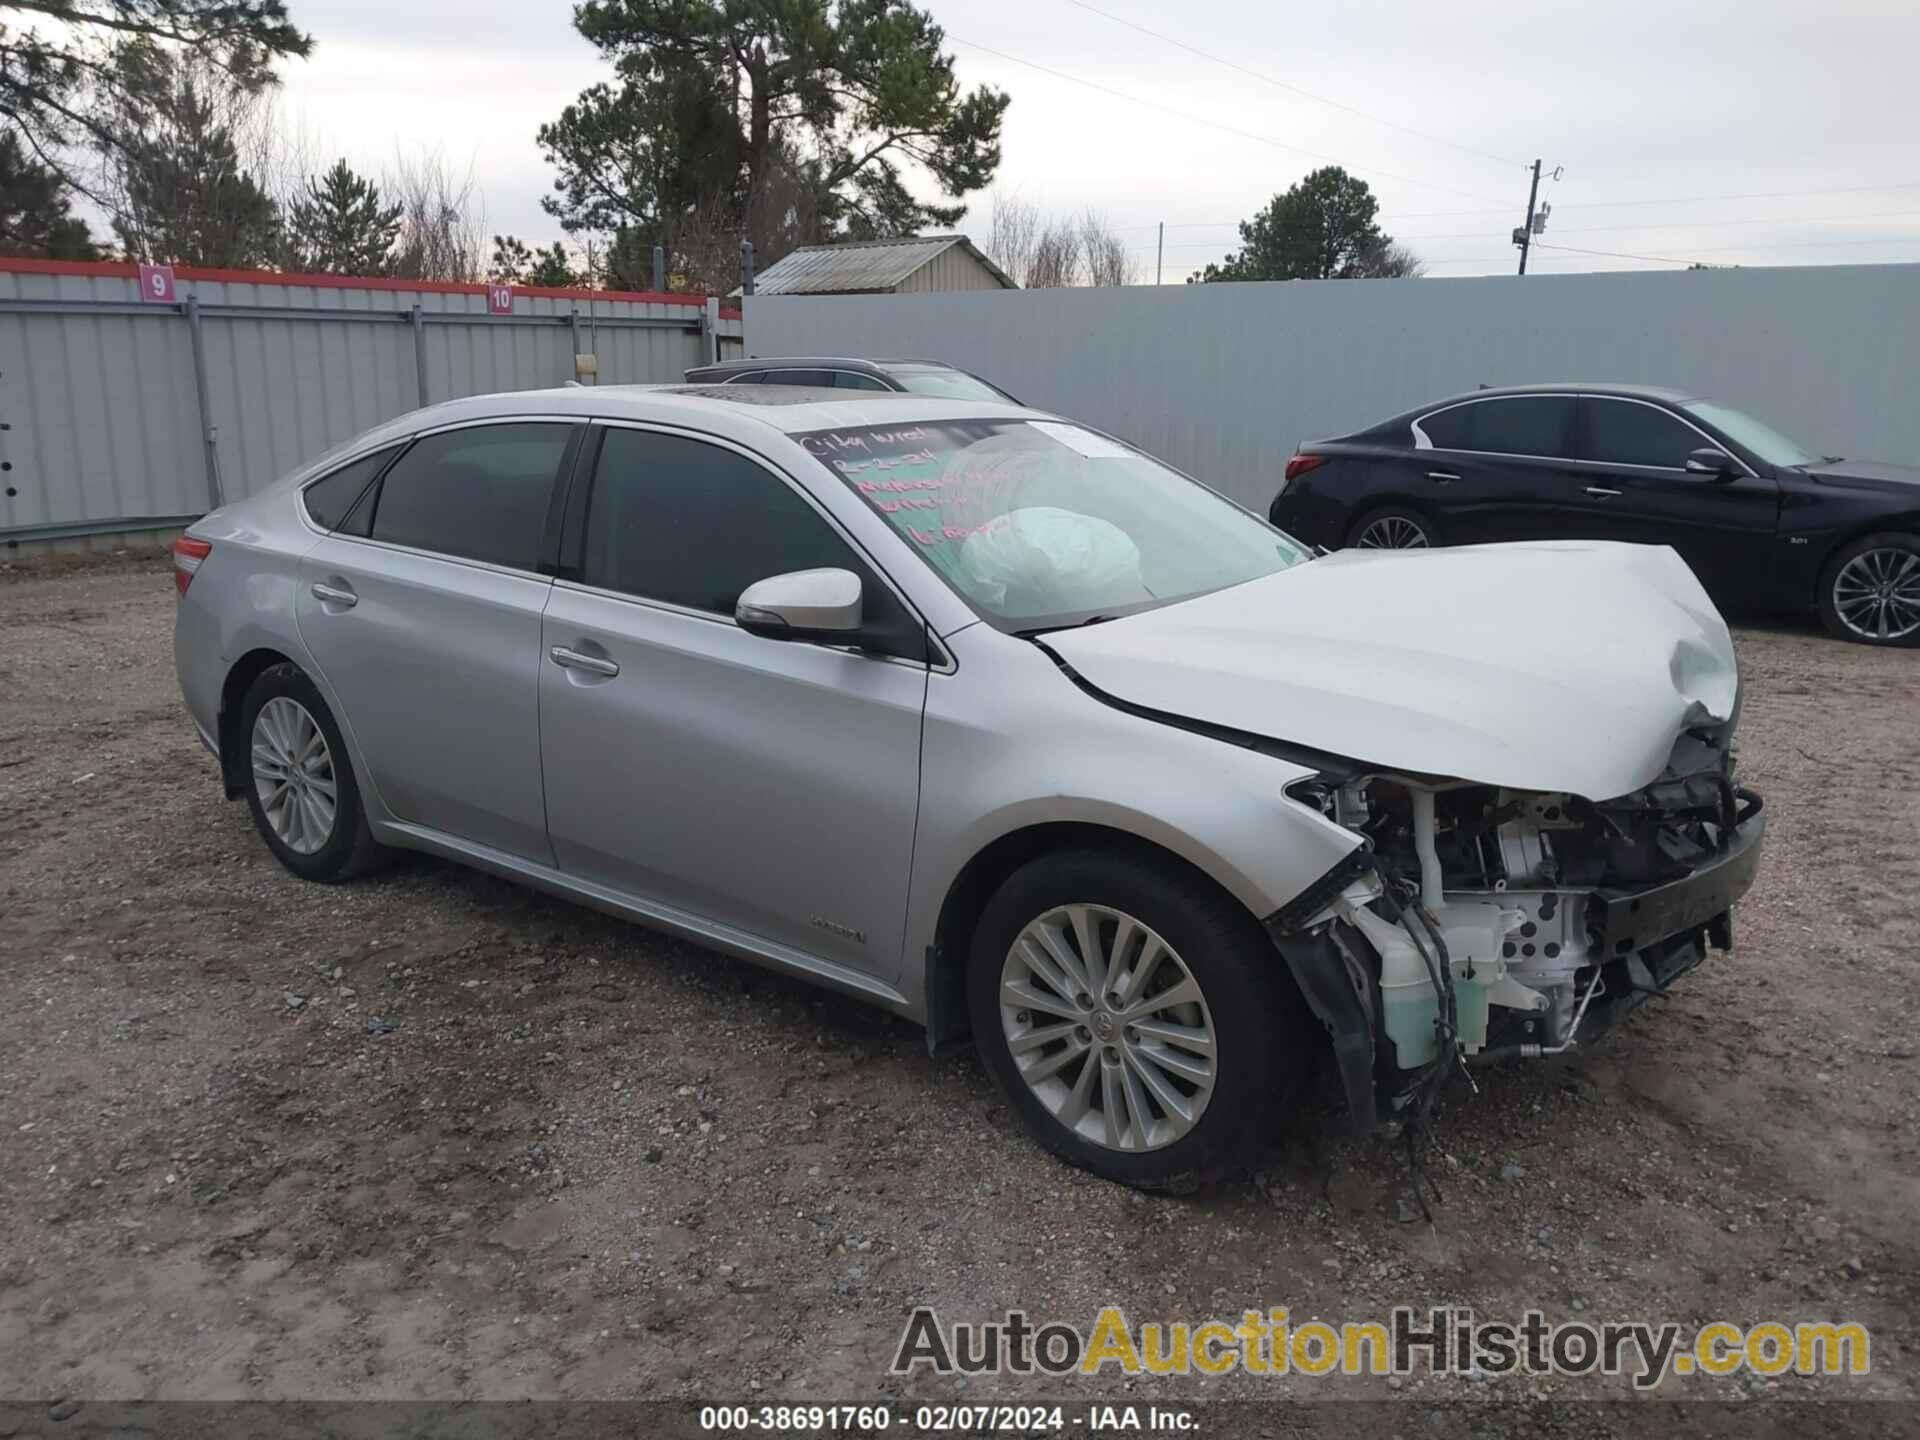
300, 783
1870, 591
1137, 1019
1392, 529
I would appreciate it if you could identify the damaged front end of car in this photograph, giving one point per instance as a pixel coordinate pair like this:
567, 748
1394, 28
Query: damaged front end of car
1477, 922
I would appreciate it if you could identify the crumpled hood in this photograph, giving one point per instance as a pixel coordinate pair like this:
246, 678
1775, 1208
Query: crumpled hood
1555, 666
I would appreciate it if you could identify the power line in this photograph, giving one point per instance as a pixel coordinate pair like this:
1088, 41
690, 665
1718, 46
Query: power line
1201, 119
1599, 229
1585, 205
1694, 225
1295, 89
1736, 249
1669, 200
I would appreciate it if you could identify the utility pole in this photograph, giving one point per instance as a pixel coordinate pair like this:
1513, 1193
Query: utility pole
1159, 252
1523, 237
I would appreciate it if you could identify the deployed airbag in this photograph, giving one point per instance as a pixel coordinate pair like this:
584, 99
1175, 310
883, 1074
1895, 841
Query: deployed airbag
1042, 549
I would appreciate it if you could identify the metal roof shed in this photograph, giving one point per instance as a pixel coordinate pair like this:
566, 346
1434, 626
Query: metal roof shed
913, 264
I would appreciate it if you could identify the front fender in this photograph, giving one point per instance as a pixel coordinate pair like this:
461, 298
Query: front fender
1011, 742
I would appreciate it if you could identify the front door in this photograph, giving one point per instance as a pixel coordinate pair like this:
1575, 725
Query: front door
1639, 489
768, 786
422, 613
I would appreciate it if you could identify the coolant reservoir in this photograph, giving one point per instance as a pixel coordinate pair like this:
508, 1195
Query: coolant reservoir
1409, 1005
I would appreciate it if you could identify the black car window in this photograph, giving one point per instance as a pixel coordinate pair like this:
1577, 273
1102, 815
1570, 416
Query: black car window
1525, 425
798, 377
749, 377
854, 380
693, 524
480, 493
330, 498
1506, 425
1625, 432
1450, 429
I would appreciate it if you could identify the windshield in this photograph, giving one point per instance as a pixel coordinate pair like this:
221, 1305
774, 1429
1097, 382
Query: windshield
947, 384
1763, 440
1039, 524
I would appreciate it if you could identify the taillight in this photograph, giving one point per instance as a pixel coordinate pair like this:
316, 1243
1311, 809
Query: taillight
1301, 464
187, 555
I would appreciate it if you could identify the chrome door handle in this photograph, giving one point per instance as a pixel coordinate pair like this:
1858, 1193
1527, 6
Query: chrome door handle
334, 595
574, 660
1444, 477
1601, 492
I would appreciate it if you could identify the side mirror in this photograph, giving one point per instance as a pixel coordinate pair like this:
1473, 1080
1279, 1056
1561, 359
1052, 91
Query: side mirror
1713, 464
820, 605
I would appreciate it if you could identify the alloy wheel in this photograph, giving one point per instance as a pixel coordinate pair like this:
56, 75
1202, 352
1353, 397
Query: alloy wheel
1876, 594
1108, 1028
1392, 532
293, 775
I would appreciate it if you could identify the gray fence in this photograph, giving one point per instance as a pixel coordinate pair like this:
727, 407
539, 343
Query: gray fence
118, 416
1223, 380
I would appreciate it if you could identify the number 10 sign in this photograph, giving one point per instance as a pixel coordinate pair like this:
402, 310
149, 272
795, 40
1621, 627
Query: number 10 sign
499, 299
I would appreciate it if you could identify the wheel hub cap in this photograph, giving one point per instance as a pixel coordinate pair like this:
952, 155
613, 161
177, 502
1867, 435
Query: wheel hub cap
293, 775
1108, 1027
1392, 532
1877, 594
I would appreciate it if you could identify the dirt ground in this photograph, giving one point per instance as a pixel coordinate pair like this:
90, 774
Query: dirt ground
430, 1135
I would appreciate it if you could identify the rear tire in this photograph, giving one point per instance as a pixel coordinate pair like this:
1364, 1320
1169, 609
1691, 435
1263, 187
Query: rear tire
1392, 527
1873, 584
300, 784
1194, 1086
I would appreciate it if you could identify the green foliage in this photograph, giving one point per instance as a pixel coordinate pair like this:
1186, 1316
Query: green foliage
553, 269
515, 264
629, 261
787, 120
511, 260
180, 192
338, 226
1321, 229
62, 83
34, 209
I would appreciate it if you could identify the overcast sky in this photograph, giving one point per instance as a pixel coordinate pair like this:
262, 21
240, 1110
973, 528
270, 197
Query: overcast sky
1764, 132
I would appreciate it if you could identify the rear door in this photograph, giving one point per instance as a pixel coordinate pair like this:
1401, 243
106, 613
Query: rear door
422, 612
1497, 469
769, 786
1638, 489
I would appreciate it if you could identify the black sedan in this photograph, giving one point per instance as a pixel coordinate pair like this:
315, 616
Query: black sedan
1764, 524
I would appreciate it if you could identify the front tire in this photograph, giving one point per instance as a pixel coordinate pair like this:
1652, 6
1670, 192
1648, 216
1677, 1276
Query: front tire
1870, 591
300, 787
1137, 1019
1393, 527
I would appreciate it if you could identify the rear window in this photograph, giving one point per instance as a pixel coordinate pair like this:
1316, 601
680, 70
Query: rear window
330, 498
480, 493
1507, 425
947, 384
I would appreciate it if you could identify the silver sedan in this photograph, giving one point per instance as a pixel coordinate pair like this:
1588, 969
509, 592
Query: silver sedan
992, 720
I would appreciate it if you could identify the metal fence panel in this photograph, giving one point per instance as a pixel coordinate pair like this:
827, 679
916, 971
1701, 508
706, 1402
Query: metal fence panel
99, 415
1224, 380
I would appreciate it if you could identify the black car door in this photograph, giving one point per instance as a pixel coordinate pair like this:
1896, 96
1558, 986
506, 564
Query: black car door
1638, 488
1498, 468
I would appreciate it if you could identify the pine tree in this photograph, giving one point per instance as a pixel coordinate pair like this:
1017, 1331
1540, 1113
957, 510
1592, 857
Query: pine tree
34, 218
338, 226
511, 261
551, 268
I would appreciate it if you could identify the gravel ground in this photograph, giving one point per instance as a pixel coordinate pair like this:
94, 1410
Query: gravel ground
429, 1135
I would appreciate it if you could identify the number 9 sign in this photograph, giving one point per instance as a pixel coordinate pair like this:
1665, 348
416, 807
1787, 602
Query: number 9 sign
156, 284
